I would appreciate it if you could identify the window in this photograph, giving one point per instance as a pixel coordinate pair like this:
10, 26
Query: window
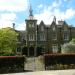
31, 24
54, 36
54, 28
55, 48
66, 36
65, 29
42, 37
42, 28
31, 37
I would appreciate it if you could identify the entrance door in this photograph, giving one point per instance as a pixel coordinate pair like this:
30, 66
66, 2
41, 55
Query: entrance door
31, 51
39, 51
25, 51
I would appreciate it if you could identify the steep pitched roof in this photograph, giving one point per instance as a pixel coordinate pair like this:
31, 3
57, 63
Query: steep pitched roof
41, 23
53, 23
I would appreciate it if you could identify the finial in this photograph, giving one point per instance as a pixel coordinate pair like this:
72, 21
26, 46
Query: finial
30, 12
54, 19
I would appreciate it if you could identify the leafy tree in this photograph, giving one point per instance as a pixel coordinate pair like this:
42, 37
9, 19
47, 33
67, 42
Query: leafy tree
8, 40
69, 47
73, 41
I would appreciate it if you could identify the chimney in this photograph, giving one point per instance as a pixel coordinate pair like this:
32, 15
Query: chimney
14, 26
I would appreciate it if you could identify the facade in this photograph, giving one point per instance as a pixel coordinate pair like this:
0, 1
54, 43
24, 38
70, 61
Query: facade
49, 38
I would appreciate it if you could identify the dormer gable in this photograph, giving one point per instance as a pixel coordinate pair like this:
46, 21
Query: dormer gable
41, 26
42, 23
54, 21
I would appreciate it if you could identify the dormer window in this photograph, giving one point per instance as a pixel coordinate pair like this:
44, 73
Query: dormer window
66, 36
42, 37
42, 28
55, 48
54, 28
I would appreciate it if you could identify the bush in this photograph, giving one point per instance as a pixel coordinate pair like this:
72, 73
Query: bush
68, 48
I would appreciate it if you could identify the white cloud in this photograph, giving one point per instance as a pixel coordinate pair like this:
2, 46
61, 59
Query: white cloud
21, 26
6, 19
8, 16
9, 9
69, 13
45, 16
13, 5
54, 10
40, 6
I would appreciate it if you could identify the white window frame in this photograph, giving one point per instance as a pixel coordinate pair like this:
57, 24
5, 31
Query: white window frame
42, 37
66, 36
42, 28
31, 37
55, 48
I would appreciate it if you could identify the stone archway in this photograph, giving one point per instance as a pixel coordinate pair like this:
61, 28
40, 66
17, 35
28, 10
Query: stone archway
25, 51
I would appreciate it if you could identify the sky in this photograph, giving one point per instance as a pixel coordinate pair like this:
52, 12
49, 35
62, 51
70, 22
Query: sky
16, 11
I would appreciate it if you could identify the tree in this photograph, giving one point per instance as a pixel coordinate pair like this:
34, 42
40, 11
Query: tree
73, 41
8, 40
69, 47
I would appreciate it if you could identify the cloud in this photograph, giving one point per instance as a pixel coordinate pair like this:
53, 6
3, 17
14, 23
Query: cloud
13, 5
55, 10
21, 26
40, 6
68, 14
9, 10
45, 16
6, 19
8, 16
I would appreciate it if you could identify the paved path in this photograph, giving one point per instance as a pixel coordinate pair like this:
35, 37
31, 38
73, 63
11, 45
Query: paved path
34, 64
52, 72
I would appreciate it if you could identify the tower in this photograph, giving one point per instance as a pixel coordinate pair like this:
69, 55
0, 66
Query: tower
31, 28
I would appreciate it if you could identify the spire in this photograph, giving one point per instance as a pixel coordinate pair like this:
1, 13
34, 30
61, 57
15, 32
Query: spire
54, 19
30, 12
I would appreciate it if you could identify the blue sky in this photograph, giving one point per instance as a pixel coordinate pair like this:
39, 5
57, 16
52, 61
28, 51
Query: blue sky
16, 11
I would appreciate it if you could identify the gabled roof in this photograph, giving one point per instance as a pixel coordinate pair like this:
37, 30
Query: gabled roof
41, 23
53, 23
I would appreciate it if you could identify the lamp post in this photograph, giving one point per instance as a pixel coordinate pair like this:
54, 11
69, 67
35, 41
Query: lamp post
35, 50
35, 44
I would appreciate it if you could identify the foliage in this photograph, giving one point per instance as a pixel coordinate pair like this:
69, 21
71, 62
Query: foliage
69, 47
8, 40
73, 41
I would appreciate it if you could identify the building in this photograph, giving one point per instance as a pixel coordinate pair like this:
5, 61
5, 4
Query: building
46, 38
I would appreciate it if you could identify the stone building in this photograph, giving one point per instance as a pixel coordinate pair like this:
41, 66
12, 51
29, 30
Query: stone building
44, 38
